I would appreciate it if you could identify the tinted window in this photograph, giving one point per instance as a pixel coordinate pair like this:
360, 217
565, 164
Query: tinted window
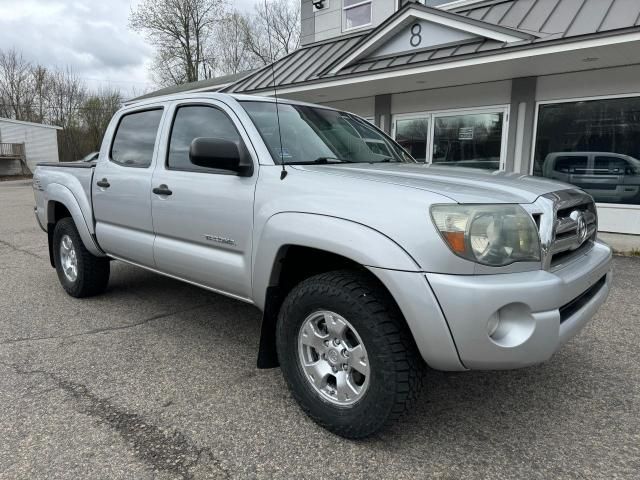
195, 122
135, 138
571, 164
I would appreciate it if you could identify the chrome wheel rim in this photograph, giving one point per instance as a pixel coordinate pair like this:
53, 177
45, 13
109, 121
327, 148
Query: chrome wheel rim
68, 258
333, 358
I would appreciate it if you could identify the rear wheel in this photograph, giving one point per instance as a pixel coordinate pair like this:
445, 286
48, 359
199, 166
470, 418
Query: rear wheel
81, 273
347, 354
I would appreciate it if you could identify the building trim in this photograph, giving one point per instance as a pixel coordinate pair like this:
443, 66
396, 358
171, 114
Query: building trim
455, 4
29, 124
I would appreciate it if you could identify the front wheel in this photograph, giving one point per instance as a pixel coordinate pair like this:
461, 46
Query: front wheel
347, 354
81, 273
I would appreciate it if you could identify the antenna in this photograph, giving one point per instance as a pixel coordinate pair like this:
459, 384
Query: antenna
283, 173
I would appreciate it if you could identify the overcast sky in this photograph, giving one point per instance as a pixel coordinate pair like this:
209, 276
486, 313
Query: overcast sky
90, 36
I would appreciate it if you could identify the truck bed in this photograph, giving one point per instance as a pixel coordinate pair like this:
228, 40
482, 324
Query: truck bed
51, 180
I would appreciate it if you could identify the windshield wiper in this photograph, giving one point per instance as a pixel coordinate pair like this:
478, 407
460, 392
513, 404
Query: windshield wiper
321, 161
385, 160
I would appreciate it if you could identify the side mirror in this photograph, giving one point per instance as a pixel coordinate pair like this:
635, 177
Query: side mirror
221, 154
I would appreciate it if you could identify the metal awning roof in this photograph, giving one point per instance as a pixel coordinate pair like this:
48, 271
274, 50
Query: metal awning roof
550, 21
209, 84
305, 64
561, 18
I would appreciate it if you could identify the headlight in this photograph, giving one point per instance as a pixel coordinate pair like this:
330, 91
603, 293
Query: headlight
494, 235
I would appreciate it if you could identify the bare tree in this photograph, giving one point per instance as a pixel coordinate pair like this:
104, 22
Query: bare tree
231, 46
96, 113
55, 96
66, 96
273, 31
179, 29
17, 92
41, 80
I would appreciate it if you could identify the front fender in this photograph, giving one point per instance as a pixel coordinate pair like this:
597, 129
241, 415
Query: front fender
56, 192
352, 240
388, 261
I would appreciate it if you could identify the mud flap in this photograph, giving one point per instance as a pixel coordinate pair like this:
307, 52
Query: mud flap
267, 353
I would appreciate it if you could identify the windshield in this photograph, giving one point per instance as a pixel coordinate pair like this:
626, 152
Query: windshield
321, 135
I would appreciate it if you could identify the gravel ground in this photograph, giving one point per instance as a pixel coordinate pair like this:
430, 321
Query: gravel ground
156, 379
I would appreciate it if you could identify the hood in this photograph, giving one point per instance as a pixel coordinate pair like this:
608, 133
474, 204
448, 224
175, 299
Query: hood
463, 185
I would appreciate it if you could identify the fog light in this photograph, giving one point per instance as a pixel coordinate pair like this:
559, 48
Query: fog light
494, 322
511, 326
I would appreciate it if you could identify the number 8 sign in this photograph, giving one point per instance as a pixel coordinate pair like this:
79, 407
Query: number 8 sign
416, 35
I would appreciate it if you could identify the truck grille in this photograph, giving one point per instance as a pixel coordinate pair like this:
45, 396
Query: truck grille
568, 225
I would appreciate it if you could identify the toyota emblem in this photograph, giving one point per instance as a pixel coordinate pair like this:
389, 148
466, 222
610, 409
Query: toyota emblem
582, 229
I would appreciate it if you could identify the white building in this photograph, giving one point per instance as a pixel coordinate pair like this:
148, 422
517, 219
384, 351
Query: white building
542, 87
24, 144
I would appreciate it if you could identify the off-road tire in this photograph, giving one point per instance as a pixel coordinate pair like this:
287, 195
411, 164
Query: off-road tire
397, 370
93, 272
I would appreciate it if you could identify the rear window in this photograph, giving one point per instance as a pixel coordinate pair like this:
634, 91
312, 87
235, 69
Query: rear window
135, 138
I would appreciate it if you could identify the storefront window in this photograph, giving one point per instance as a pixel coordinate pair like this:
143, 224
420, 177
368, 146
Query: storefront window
413, 135
469, 140
462, 139
594, 145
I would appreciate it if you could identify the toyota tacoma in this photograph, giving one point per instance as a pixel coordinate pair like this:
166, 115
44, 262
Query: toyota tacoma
367, 266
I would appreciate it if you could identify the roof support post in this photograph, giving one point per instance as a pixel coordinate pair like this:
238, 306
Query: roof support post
382, 112
522, 117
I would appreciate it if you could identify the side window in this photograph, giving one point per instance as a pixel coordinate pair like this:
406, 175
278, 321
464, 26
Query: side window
193, 122
135, 138
571, 164
606, 165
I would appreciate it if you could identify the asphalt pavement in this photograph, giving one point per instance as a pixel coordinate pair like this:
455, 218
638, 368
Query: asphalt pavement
157, 379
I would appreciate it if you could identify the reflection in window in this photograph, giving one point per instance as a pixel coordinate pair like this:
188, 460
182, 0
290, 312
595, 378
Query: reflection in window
469, 140
413, 135
135, 138
195, 122
594, 145
357, 13
305, 134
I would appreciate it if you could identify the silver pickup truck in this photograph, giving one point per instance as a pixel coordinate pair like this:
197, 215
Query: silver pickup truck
367, 266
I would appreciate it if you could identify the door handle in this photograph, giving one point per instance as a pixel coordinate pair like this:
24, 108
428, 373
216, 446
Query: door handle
162, 190
103, 183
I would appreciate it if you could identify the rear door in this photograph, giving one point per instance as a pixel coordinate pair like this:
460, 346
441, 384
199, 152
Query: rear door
204, 220
122, 187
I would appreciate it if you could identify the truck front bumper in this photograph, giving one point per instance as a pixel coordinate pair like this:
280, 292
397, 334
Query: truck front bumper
514, 320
